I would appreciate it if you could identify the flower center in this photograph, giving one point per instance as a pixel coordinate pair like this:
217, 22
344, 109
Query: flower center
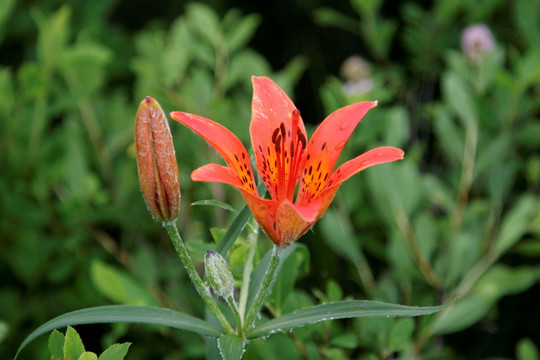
289, 145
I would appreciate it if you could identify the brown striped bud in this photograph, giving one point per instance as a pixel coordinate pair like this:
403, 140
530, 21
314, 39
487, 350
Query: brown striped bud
156, 161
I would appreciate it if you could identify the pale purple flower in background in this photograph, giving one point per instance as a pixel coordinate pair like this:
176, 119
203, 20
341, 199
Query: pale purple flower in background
357, 74
476, 41
352, 88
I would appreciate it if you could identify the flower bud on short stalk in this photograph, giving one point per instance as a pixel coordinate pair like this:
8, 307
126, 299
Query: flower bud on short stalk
156, 161
219, 274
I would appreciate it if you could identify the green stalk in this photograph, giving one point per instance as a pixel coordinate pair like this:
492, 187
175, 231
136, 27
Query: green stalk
266, 286
194, 276
238, 319
248, 267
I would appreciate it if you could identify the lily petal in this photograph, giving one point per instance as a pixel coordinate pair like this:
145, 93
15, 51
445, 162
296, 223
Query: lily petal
372, 157
271, 126
263, 211
318, 206
325, 146
217, 173
225, 142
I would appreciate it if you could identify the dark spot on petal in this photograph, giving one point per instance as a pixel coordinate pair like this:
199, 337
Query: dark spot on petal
274, 135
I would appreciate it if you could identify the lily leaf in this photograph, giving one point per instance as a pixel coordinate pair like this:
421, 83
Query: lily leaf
125, 314
215, 203
238, 224
231, 347
234, 230
338, 310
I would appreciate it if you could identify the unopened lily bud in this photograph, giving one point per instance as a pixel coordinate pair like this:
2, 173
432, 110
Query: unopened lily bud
156, 161
219, 274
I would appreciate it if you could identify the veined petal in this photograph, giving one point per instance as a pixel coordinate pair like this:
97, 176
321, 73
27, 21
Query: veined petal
318, 206
375, 156
217, 173
325, 146
264, 211
273, 131
225, 142
293, 221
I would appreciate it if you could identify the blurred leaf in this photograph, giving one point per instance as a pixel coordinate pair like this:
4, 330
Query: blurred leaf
73, 345
526, 17
492, 153
242, 31
88, 356
231, 347
334, 291
115, 352
458, 96
448, 134
338, 310
500, 180
289, 76
401, 334
528, 134
501, 280
515, 223
339, 236
526, 350
53, 34
118, 286
463, 313
527, 68
329, 17
5, 12
204, 20
495, 283
345, 340
397, 127
125, 314
56, 345
243, 64
7, 94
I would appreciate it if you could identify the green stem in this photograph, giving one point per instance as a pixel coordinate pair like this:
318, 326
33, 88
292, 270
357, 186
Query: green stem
467, 176
248, 268
265, 287
238, 319
194, 276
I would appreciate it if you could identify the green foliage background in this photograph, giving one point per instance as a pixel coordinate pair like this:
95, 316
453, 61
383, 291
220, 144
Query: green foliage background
459, 217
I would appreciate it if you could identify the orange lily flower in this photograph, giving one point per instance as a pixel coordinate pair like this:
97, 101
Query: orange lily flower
285, 160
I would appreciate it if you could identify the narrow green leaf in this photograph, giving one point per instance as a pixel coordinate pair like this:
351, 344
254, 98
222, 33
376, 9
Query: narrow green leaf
237, 226
73, 345
231, 347
115, 352
56, 344
338, 310
234, 230
126, 314
215, 203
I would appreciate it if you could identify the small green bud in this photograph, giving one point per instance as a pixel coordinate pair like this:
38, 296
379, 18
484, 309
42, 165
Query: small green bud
219, 274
